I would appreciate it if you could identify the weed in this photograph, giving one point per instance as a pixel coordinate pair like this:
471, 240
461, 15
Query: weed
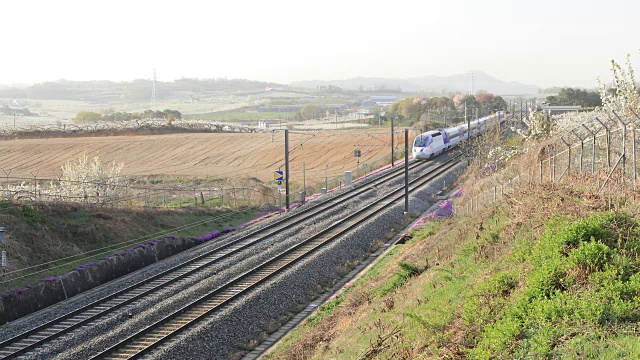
402, 275
32, 217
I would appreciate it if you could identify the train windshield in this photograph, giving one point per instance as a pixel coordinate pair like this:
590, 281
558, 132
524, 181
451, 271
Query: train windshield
422, 141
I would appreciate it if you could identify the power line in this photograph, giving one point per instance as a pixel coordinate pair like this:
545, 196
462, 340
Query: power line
112, 248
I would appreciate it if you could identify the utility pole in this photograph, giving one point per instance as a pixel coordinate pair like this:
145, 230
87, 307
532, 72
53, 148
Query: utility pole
286, 168
4, 252
466, 117
326, 182
335, 113
153, 92
520, 112
392, 141
444, 117
406, 171
304, 181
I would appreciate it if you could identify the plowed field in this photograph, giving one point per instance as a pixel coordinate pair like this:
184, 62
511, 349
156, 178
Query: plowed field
219, 155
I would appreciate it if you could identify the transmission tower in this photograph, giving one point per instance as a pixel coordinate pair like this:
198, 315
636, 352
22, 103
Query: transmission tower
153, 92
471, 90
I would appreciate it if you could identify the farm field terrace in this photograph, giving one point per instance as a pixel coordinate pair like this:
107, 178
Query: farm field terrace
214, 155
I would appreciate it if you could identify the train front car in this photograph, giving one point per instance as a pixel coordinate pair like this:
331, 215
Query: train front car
421, 147
429, 144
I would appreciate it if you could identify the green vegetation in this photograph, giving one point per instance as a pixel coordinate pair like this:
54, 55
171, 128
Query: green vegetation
512, 281
581, 288
405, 271
48, 233
423, 110
569, 96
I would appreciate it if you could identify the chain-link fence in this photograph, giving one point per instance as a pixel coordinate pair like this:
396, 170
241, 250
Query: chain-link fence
605, 149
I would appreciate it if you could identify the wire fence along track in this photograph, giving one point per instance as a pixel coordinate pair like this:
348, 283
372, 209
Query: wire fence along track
83, 316
105, 250
127, 194
158, 333
604, 146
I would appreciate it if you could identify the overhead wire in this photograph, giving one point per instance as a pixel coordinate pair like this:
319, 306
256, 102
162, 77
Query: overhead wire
111, 248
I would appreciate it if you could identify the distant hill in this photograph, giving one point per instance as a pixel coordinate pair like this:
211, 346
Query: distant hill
136, 90
435, 84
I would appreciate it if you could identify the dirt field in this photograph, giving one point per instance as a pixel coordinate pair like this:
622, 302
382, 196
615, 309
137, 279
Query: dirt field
202, 155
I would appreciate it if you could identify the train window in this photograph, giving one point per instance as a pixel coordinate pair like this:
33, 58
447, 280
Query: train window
422, 141
436, 134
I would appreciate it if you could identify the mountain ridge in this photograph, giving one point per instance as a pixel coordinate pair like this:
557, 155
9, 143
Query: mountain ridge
430, 83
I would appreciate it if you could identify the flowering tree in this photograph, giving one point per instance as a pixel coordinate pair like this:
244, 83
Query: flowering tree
623, 95
89, 181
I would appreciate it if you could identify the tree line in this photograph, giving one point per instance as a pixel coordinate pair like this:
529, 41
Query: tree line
89, 116
424, 108
570, 96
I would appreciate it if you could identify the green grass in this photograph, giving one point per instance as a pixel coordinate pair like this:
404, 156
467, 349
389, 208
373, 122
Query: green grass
41, 235
567, 289
583, 284
403, 273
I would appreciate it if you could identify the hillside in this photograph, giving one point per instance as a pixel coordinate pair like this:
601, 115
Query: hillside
53, 239
140, 89
431, 84
549, 271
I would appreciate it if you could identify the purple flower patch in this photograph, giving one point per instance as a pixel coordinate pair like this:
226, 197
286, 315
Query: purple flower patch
19, 291
212, 235
86, 266
50, 279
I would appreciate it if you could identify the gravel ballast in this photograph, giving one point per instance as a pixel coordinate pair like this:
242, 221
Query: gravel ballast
243, 320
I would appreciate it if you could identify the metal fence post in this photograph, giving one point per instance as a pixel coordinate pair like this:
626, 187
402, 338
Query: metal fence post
540, 171
635, 174
624, 142
581, 147
608, 139
549, 154
593, 147
568, 169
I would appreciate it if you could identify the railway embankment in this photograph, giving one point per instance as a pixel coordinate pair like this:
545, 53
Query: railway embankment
550, 270
96, 246
243, 325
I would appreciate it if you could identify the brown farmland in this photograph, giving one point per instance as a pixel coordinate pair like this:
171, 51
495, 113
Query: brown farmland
216, 155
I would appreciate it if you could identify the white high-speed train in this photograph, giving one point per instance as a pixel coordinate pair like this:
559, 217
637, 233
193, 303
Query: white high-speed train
435, 142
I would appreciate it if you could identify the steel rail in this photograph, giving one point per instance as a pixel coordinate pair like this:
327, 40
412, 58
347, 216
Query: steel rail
159, 332
39, 335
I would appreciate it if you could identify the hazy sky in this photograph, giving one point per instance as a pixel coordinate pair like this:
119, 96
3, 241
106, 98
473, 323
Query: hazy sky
542, 42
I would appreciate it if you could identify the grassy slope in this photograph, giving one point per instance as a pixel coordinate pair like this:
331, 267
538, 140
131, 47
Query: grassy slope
551, 272
39, 235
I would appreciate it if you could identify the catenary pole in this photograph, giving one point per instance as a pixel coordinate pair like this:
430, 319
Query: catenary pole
286, 168
392, 141
406, 171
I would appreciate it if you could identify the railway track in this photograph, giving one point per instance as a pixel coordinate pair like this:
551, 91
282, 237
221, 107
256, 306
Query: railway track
158, 333
83, 316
